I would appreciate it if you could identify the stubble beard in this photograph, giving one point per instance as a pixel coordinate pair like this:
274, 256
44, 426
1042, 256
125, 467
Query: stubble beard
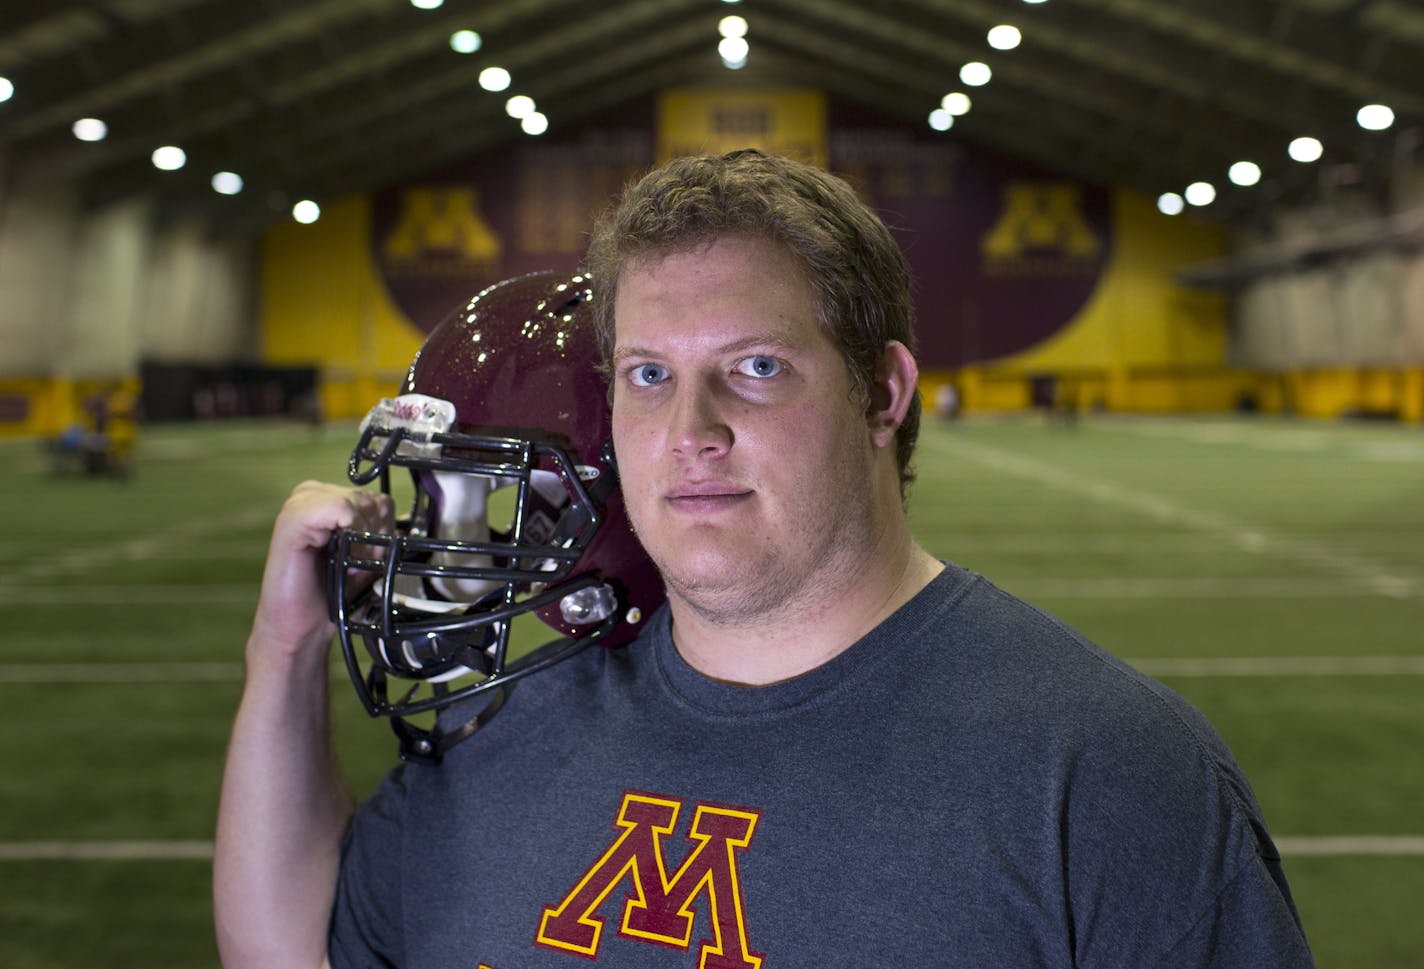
769, 584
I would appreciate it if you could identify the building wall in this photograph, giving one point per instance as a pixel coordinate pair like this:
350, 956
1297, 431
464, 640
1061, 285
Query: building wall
1024, 279
1018, 271
85, 296
1337, 311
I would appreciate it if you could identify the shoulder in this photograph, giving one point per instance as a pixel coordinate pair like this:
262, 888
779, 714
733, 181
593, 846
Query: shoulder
1159, 830
1045, 701
1028, 662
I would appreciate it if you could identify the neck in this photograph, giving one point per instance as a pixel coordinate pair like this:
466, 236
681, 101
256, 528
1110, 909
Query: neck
812, 628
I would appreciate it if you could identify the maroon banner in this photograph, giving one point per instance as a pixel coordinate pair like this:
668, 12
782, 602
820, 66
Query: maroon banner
438, 240
1003, 254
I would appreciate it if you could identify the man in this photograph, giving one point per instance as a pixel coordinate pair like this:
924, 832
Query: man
829, 750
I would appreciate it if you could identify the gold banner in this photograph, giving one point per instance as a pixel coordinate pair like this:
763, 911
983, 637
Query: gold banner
782, 122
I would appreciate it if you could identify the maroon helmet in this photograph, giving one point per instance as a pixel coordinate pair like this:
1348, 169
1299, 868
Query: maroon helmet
507, 393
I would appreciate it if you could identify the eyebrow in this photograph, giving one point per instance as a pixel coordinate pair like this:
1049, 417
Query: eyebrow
736, 346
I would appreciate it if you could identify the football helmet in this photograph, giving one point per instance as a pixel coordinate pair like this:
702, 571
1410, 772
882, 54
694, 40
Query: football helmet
506, 399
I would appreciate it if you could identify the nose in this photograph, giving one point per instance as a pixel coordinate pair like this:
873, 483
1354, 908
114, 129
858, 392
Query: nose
698, 428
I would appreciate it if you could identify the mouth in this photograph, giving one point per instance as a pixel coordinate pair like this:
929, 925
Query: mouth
706, 499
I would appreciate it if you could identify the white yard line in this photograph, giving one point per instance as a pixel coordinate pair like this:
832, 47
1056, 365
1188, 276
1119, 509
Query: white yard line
152, 850
106, 850
103, 558
1351, 845
1389, 449
79, 672
138, 595
1230, 666
1185, 588
1242, 535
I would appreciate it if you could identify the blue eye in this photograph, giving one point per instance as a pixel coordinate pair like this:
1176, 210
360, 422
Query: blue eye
647, 374
759, 366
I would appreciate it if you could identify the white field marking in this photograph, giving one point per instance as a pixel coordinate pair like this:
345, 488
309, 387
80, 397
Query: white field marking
81, 672
106, 850
1279, 439
138, 595
188, 449
1406, 450
1393, 451
27, 455
1131, 541
1241, 535
1301, 846
1231, 666
1352, 845
233, 439
1186, 588
104, 557
1148, 537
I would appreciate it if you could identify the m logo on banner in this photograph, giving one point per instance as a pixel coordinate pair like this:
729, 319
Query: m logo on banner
1040, 223
442, 223
660, 907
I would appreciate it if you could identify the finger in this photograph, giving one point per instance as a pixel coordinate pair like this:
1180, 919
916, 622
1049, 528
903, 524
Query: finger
375, 512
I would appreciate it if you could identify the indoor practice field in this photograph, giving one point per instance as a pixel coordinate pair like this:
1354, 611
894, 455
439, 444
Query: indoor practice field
1270, 570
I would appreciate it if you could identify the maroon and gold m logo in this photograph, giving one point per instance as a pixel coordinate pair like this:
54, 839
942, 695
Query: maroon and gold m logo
659, 907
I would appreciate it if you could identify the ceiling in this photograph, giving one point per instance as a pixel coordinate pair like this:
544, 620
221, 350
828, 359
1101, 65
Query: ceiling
327, 97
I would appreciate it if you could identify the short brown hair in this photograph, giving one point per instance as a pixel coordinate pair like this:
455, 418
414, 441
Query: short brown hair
857, 272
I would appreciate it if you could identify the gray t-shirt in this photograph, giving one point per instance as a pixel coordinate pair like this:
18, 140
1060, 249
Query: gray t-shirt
971, 785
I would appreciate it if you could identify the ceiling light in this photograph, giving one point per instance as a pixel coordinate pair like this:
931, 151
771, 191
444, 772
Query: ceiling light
733, 49
732, 26
519, 106
7, 90
1035, 1
227, 183
90, 129
1170, 203
1244, 173
1306, 149
1375, 117
169, 158
975, 73
956, 103
534, 123
306, 211
1004, 37
1200, 193
465, 41
494, 79
426, 4
941, 120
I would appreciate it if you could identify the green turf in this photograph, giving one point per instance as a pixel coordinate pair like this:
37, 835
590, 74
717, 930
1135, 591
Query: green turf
1325, 758
1160, 539
1360, 912
107, 913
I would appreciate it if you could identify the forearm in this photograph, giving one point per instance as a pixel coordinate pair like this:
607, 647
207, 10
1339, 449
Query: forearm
281, 817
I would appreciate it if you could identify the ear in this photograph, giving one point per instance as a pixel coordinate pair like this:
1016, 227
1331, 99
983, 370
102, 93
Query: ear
896, 381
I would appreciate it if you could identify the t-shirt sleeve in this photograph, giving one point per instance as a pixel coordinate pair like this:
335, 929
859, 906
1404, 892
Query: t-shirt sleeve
1252, 923
1171, 861
366, 918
